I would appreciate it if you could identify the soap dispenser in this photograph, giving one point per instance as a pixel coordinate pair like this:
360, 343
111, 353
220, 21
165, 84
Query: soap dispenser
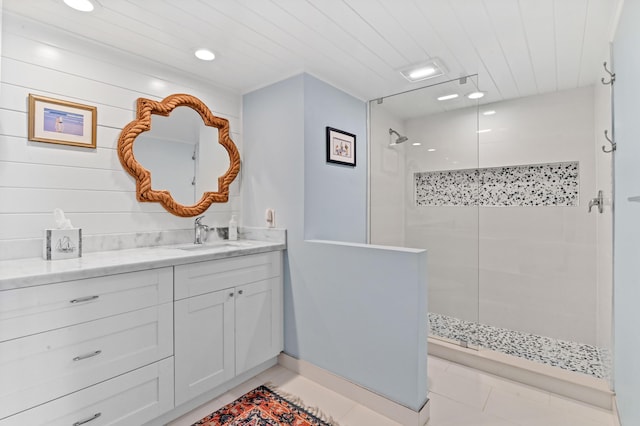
233, 228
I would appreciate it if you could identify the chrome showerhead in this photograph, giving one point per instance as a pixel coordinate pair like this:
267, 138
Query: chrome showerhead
400, 139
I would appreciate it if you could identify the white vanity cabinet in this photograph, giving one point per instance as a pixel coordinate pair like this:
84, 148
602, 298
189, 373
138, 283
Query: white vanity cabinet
89, 349
228, 319
134, 338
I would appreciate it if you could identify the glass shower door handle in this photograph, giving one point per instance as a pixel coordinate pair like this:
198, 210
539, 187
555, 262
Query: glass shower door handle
598, 201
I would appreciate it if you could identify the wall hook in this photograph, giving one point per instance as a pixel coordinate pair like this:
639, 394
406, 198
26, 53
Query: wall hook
613, 144
612, 75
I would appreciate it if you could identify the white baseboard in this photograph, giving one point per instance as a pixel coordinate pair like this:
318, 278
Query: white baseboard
384, 406
551, 379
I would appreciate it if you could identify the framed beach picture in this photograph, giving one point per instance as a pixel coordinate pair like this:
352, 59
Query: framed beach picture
62, 122
341, 147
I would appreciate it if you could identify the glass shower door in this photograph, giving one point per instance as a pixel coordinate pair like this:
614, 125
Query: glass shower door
424, 194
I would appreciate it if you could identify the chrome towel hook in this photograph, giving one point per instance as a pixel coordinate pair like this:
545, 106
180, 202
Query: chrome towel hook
613, 144
612, 75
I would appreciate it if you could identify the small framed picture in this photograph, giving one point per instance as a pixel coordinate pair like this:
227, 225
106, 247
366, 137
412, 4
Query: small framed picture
62, 122
341, 147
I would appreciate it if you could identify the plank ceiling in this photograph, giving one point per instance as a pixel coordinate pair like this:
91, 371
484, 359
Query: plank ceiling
517, 47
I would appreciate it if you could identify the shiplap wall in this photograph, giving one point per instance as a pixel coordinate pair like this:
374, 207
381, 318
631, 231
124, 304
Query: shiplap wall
88, 184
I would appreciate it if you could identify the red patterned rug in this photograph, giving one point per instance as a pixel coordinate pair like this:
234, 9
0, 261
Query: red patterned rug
265, 407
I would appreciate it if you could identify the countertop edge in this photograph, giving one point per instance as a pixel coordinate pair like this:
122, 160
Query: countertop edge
34, 271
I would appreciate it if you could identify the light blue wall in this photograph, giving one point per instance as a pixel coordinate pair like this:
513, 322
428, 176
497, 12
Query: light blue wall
626, 61
357, 311
273, 158
335, 205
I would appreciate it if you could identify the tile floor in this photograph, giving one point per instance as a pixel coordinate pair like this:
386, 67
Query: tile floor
460, 396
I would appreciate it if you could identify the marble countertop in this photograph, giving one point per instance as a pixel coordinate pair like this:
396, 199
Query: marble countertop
36, 271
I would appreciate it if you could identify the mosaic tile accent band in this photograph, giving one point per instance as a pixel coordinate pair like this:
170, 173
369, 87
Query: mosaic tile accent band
571, 356
519, 186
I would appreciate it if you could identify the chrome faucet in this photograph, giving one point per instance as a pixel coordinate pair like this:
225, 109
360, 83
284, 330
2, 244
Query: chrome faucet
201, 231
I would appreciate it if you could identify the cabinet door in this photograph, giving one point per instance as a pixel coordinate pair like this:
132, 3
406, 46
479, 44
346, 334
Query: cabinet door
204, 335
259, 328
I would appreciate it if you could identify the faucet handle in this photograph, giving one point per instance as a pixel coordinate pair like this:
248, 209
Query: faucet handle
198, 219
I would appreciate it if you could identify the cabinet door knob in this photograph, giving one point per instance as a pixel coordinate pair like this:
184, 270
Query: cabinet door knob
81, 422
240, 291
230, 294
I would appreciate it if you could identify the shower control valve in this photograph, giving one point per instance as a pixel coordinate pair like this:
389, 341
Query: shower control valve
598, 201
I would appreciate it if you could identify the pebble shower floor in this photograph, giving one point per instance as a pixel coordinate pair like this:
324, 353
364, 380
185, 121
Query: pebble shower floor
578, 357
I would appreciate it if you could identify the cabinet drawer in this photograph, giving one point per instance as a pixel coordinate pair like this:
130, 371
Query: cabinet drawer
45, 366
33, 310
205, 277
131, 399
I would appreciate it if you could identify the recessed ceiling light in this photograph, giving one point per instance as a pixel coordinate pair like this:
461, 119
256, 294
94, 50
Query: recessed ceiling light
416, 144
447, 97
484, 131
490, 112
431, 150
205, 54
81, 5
423, 71
475, 95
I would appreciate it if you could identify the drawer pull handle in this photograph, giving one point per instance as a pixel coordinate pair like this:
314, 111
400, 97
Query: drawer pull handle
85, 356
84, 299
90, 419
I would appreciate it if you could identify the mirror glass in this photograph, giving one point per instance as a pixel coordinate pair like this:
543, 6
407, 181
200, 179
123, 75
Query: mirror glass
182, 154
185, 158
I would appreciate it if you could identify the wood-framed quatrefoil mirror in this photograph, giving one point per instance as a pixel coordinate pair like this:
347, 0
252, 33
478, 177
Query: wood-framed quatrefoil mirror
181, 154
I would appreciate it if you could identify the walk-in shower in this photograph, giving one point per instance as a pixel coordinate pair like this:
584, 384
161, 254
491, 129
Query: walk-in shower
498, 194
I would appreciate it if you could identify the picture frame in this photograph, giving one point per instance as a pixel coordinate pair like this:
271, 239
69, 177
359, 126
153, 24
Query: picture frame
341, 147
62, 122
